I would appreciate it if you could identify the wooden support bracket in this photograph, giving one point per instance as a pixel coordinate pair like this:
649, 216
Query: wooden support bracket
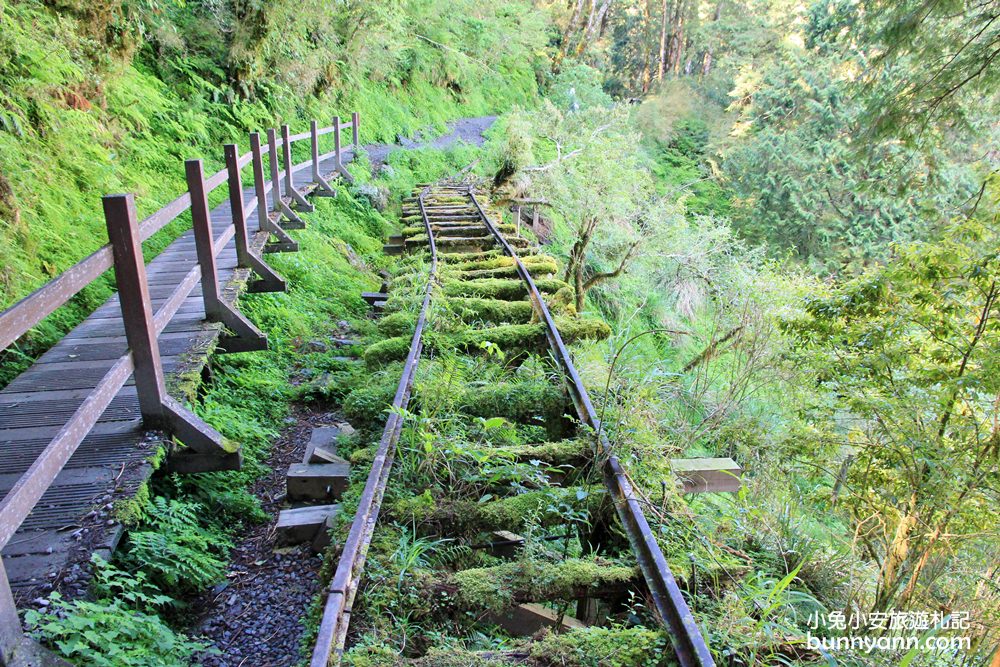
158, 409
245, 336
323, 189
292, 221
286, 151
269, 281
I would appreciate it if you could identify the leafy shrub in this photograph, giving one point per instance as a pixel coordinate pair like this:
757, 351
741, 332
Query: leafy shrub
177, 551
117, 629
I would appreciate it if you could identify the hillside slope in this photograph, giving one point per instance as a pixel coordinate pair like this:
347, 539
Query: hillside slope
112, 98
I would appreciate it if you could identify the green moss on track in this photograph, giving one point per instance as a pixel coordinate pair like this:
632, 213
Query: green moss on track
510, 338
502, 586
494, 288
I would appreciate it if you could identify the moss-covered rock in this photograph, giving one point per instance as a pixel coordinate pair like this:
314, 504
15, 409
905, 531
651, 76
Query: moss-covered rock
390, 349
398, 324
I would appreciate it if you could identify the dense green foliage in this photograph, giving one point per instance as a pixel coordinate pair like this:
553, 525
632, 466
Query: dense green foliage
120, 627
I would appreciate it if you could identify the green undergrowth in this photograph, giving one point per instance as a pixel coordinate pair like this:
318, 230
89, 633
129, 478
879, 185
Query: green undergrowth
590, 647
511, 338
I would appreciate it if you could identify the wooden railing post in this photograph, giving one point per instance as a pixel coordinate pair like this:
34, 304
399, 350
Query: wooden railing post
290, 191
157, 408
355, 119
534, 218
263, 220
277, 204
517, 217
270, 281
247, 337
338, 163
336, 143
11, 634
323, 189
137, 311
264, 223
236, 205
272, 158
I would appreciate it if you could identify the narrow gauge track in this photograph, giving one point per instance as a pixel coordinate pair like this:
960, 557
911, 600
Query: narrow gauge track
453, 212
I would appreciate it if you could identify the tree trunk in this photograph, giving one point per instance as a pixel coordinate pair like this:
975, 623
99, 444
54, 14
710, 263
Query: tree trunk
895, 556
706, 63
570, 29
594, 19
663, 43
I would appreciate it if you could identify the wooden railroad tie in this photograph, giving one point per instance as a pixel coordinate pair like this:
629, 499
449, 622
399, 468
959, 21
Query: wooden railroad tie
708, 475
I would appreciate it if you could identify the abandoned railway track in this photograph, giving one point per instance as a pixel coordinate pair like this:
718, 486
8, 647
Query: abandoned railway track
501, 510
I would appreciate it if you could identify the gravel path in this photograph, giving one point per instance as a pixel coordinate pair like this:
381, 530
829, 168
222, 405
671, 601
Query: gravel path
468, 130
255, 617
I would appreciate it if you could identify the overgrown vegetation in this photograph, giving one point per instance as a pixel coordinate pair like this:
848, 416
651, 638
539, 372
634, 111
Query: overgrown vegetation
790, 232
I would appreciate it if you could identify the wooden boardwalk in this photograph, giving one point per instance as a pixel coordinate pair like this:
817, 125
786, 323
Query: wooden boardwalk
75, 516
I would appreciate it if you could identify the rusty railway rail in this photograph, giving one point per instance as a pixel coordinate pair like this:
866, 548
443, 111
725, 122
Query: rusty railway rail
343, 587
689, 646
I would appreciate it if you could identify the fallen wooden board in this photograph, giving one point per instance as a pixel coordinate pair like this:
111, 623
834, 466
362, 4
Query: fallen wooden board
301, 524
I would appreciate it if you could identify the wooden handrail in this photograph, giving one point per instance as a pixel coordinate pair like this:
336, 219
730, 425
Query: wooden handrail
27, 312
143, 327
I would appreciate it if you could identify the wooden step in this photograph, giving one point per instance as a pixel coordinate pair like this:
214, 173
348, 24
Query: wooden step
719, 475
317, 481
322, 447
372, 297
302, 524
